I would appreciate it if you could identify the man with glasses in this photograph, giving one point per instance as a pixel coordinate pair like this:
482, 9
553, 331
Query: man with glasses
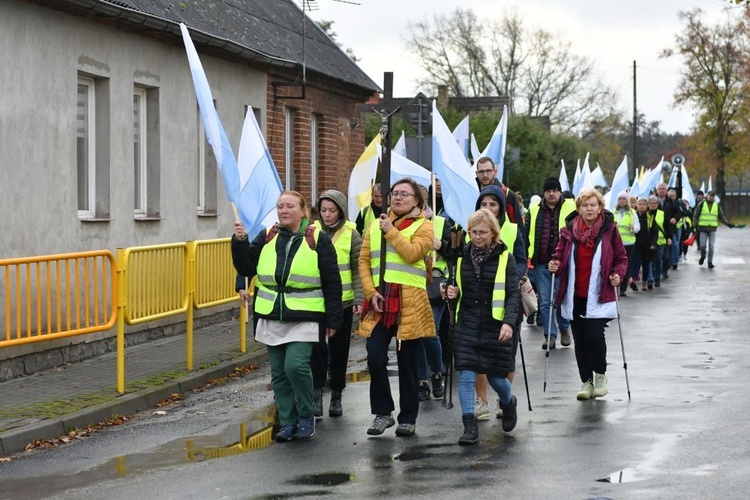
487, 176
546, 218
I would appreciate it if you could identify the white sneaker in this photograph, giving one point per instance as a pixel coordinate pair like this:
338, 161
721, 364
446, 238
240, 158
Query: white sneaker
600, 385
499, 411
481, 409
586, 392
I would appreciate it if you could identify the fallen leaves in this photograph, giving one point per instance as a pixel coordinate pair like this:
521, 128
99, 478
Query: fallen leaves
75, 434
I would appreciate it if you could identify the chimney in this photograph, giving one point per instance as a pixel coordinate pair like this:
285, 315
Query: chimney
442, 99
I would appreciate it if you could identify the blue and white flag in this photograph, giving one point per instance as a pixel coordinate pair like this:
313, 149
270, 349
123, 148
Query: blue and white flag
585, 180
687, 189
475, 153
215, 134
402, 167
597, 175
400, 147
619, 183
564, 184
635, 189
496, 147
260, 186
651, 178
577, 178
459, 185
461, 133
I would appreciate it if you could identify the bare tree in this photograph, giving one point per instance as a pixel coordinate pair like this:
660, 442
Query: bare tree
500, 57
712, 79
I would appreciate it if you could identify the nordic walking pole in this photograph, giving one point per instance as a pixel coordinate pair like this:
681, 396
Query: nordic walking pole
523, 364
549, 328
622, 343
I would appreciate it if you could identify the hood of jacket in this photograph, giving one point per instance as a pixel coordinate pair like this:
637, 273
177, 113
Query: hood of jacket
497, 192
339, 199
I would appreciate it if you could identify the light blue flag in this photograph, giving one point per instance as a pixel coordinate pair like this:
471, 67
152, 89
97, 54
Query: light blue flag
402, 167
496, 147
400, 147
619, 183
215, 134
651, 178
475, 154
461, 133
564, 177
598, 176
260, 185
635, 189
577, 178
687, 189
458, 183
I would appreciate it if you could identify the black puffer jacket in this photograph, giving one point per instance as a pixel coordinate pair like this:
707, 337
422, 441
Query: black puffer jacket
245, 258
477, 347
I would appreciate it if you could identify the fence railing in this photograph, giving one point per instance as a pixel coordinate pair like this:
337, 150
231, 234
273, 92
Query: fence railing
55, 296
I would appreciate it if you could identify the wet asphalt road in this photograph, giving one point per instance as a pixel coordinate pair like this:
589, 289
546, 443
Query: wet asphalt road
684, 434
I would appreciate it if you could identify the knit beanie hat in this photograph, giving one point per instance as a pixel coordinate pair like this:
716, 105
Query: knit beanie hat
552, 183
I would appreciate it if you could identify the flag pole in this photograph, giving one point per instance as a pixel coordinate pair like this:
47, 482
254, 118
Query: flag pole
434, 213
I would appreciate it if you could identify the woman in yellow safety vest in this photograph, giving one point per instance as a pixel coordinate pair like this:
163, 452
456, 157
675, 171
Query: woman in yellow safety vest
628, 224
332, 207
400, 308
486, 320
298, 287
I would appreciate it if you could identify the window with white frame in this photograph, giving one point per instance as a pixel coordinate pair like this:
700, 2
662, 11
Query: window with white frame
140, 153
289, 149
207, 172
314, 124
86, 148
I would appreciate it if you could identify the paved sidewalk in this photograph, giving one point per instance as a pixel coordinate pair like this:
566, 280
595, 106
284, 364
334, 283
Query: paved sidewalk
48, 404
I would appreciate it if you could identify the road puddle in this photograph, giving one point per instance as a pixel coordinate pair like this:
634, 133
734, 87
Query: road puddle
325, 479
623, 476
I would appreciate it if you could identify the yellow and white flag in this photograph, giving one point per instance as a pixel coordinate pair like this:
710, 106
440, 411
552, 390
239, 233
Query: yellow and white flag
363, 175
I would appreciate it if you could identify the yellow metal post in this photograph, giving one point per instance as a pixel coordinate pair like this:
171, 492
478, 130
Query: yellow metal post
190, 275
121, 302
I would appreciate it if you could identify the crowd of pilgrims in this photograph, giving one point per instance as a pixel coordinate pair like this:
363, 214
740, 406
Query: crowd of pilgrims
449, 297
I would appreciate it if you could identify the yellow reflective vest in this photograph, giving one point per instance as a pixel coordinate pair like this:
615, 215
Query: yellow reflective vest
438, 222
301, 290
498, 289
661, 238
709, 217
567, 207
397, 270
624, 223
342, 242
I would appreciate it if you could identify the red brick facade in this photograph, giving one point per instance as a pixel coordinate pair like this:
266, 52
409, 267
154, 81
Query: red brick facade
341, 138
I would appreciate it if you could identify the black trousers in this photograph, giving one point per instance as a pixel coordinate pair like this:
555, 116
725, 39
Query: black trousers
590, 344
334, 349
629, 250
381, 400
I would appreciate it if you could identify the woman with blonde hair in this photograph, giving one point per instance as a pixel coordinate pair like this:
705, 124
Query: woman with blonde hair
298, 287
486, 317
591, 261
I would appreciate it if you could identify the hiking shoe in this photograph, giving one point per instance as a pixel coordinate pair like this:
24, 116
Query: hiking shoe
438, 389
286, 433
471, 429
701, 260
380, 424
499, 411
711, 265
510, 416
565, 338
481, 409
538, 319
657, 283
424, 391
335, 410
531, 319
404, 430
318, 402
306, 428
600, 385
650, 285
586, 392
551, 341
633, 286
674, 267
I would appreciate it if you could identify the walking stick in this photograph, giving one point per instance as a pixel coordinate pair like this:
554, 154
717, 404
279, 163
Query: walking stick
622, 343
523, 364
455, 245
549, 328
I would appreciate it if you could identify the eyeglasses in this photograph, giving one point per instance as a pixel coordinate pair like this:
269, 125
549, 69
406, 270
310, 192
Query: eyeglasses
476, 232
485, 172
401, 194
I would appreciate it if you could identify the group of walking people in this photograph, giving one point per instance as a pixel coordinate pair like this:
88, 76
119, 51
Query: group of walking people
313, 277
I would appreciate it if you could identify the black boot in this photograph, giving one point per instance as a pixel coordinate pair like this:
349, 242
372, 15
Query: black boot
510, 417
335, 409
471, 429
318, 402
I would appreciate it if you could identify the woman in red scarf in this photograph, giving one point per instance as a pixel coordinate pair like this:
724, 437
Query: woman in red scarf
591, 261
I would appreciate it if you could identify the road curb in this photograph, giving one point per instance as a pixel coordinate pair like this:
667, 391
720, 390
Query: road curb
16, 440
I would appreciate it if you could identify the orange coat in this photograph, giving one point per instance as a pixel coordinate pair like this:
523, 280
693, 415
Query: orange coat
416, 313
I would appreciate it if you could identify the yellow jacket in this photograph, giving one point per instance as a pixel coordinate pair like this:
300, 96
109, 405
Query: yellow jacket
416, 313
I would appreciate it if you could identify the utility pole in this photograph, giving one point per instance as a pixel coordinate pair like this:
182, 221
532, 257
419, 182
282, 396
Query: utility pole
635, 125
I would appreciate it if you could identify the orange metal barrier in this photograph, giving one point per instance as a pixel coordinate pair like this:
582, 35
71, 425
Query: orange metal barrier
55, 296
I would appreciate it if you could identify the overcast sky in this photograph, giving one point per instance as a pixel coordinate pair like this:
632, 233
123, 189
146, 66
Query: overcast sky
614, 33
